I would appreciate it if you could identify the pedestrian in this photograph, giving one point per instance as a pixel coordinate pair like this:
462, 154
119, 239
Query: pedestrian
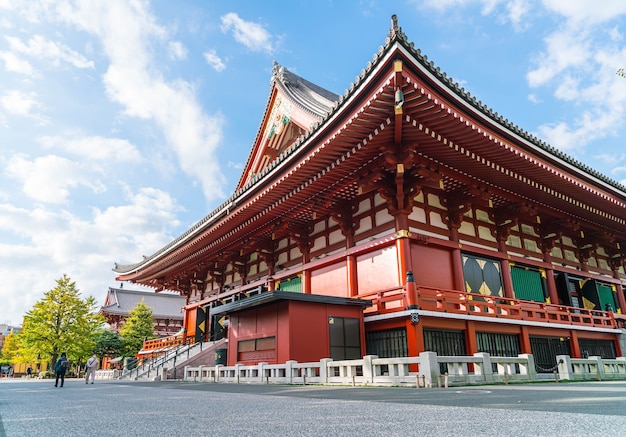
90, 369
29, 371
60, 368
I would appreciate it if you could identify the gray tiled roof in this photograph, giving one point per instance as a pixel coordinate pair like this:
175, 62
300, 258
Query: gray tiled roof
310, 97
163, 305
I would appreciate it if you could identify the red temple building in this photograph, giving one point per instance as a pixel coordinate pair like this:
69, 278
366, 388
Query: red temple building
167, 315
402, 216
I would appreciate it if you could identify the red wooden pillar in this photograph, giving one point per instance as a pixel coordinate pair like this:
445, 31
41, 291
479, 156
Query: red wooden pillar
553, 294
525, 341
574, 345
507, 280
403, 248
414, 338
457, 262
306, 282
353, 284
470, 335
621, 300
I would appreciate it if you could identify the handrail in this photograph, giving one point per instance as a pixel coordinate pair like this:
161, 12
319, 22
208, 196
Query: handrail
163, 342
156, 365
460, 302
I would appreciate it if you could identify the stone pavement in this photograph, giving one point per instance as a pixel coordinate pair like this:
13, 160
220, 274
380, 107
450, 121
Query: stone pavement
115, 408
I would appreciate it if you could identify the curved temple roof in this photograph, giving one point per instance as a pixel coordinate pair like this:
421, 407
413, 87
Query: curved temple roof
328, 107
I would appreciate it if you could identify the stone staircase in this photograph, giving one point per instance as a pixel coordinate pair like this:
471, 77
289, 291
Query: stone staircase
172, 362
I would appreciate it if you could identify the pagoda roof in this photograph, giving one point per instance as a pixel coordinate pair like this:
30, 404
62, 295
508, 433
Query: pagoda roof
120, 302
449, 131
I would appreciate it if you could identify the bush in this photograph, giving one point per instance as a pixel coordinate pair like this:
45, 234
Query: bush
46, 374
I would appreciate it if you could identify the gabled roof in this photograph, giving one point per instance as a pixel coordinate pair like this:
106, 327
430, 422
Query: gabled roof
292, 101
163, 305
453, 136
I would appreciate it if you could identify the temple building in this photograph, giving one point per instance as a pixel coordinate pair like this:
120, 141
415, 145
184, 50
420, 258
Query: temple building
402, 216
167, 309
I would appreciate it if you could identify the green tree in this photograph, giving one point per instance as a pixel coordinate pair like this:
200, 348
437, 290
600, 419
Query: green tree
137, 327
10, 347
60, 322
108, 344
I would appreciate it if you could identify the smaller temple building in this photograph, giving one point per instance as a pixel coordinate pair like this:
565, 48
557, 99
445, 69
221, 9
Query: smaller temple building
166, 309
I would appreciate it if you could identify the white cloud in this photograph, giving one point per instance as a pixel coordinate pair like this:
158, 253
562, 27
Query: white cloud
588, 127
564, 49
126, 31
250, 34
177, 50
587, 12
214, 60
18, 103
49, 178
94, 148
61, 242
517, 11
40, 48
15, 64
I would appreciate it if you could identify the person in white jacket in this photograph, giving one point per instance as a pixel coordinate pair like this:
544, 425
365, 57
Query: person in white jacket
90, 369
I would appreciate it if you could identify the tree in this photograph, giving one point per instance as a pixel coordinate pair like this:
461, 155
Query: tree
60, 322
108, 344
10, 347
137, 327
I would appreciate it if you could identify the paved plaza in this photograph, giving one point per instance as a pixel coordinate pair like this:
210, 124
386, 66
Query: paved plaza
115, 408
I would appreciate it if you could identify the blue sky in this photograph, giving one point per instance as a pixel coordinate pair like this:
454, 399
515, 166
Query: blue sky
123, 122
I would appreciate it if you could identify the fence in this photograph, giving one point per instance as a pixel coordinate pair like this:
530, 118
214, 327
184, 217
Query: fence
422, 371
107, 374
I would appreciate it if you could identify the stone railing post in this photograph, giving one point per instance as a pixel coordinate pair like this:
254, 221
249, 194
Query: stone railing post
289, 370
201, 371
484, 368
324, 370
564, 364
368, 368
218, 371
261, 372
621, 365
429, 367
599, 367
528, 368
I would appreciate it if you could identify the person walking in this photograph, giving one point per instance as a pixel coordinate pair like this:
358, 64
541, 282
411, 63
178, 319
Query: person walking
60, 368
90, 369
29, 371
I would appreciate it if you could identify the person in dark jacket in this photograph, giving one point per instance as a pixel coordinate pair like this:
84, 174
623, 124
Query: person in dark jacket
60, 368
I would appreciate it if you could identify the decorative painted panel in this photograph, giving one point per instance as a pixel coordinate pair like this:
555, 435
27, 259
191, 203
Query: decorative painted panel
482, 276
292, 284
527, 284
